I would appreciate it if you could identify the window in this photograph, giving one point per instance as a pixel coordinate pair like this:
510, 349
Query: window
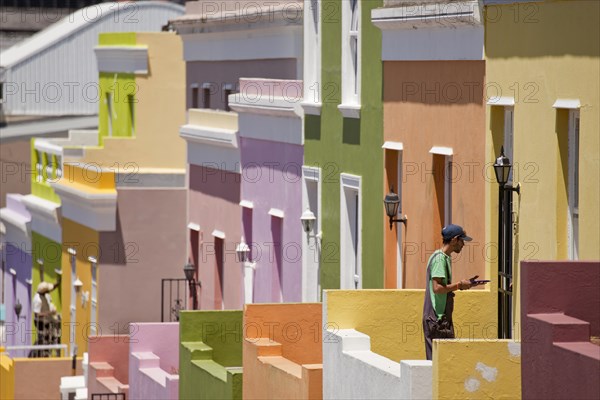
312, 57
573, 186
73, 305
393, 164
509, 138
350, 232
109, 107
39, 166
94, 295
227, 90
206, 98
351, 65
131, 103
195, 96
311, 246
49, 167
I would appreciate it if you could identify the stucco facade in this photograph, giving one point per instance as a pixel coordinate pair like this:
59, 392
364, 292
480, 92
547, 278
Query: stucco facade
343, 142
16, 275
548, 81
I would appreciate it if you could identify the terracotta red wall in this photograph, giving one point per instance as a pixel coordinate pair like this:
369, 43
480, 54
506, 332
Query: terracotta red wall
557, 300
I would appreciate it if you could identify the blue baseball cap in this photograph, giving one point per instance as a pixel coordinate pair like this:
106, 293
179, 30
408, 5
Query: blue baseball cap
452, 230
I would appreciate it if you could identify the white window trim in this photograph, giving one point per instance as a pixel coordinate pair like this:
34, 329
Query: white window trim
94, 294
351, 105
447, 190
398, 147
310, 260
573, 186
354, 183
277, 213
509, 138
312, 101
73, 305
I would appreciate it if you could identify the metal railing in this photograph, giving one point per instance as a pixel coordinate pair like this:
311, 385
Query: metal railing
108, 396
174, 296
35, 350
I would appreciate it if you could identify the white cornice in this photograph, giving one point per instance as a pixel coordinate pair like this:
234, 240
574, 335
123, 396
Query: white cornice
427, 15
350, 110
275, 106
311, 108
10, 217
124, 59
210, 136
95, 210
45, 217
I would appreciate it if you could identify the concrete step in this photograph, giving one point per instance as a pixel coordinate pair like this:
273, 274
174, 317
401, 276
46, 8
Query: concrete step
564, 328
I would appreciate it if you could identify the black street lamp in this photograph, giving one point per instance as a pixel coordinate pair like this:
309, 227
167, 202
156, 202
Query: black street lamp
502, 168
189, 271
392, 203
18, 309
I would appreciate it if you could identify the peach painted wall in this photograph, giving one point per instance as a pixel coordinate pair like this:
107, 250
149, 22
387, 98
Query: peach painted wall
297, 328
114, 350
427, 104
40, 378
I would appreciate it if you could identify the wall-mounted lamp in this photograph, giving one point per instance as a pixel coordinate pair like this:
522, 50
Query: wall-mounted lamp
502, 168
308, 222
392, 203
242, 251
189, 270
18, 309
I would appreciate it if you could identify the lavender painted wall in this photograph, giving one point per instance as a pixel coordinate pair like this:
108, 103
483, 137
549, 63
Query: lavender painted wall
163, 341
214, 198
17, 256
272, 178
147, 246
220, 73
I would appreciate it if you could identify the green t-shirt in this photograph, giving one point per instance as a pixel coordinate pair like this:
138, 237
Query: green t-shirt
438, 262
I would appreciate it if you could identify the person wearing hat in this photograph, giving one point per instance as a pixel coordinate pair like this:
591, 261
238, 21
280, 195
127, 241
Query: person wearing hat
44, 311
439, 292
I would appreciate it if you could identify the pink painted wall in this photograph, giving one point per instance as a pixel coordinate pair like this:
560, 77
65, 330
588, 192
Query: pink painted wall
214, 198
272, 178
161, 340
148, 245
560, 310
220, 73
111, 349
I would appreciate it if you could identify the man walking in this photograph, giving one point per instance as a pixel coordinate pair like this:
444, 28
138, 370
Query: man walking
439, 290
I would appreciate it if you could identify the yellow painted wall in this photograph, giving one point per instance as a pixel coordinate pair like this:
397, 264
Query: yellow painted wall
159, 112
537, 53
393, 318
7, 377
85, 241
476, 369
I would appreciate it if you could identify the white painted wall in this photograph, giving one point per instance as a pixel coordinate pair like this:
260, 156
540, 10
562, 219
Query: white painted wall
352, 371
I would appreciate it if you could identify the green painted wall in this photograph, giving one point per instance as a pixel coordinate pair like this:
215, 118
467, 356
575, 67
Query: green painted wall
120, 90
344, 145
222, 331
43, 189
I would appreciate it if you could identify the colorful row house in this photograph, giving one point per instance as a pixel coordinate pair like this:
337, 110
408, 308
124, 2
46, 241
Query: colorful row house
543, 102
126, 196
342, 172
229, 169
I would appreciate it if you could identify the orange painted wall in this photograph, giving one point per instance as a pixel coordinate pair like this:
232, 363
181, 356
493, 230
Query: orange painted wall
40, 378
297, 327
426, 104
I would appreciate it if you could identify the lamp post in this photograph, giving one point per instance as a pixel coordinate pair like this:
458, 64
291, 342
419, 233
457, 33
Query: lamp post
391, 203
502, 168
189, 271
